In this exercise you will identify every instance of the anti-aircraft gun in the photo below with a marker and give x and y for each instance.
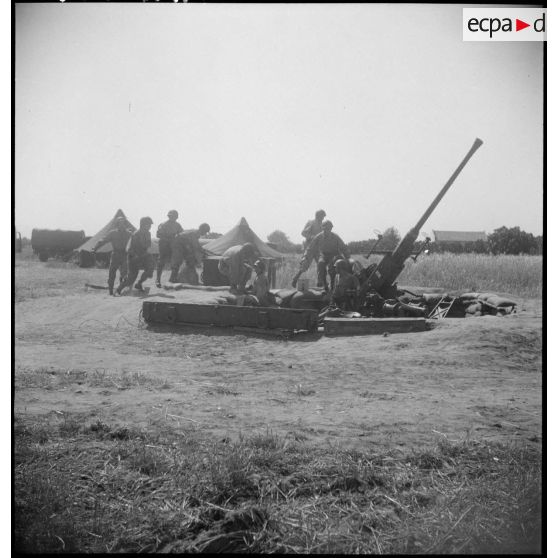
(378, 281)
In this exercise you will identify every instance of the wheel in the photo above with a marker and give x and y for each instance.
(43, 256)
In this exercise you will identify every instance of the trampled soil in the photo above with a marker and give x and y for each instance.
(92, 356)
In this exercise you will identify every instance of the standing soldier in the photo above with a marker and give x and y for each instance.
(326, 247)
(312, 228)
(118, 237)
(236, 264)
(139, 256)
(166, 232)
(186, 247)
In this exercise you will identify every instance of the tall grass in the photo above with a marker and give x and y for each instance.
(514, 275)
(517, 275)
(117, 489)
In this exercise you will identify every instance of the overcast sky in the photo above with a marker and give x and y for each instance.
(271, 112)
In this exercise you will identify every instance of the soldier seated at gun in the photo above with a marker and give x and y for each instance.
(327, 247)
(260, 286)
(345, 286)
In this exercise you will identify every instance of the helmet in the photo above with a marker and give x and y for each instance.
(342, 264)
(173, 213)
(204, 228)
(320, 213)
(327, 225)
(145, 221)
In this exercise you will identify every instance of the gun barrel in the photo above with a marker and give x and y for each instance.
(392, 264)
(477, 143)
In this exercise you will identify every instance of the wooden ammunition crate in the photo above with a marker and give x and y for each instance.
(228, 316)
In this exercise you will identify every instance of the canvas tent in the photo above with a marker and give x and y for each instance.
(240, 234)
(87, 258)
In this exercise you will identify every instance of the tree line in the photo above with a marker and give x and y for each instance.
(503, 240)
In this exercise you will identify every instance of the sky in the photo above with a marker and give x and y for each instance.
(270, 112)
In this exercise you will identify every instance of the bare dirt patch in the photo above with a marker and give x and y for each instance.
(89, 353)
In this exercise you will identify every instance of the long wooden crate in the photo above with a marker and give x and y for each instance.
(228, 316)
(367, 326)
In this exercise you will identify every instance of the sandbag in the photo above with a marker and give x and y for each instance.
(500, 301)
(468, 296)
(311, 299)
(472, 309)
(485, 296)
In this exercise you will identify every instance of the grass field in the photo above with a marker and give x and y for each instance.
(514, 275)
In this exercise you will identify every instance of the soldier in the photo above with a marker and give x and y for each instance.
(312, 228)
(236, 264)
(261, 285)
(326, 247)
(139, 256)
(345, 286)
(118, 237)
(166, 232)
(186, 247)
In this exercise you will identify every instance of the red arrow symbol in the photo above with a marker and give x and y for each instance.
(519, 25)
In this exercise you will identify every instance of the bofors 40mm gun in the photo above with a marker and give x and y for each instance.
(378, 289)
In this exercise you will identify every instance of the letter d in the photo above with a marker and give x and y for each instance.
(536, 24)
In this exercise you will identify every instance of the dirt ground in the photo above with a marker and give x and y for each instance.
(476, 377)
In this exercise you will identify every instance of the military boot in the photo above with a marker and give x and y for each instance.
(138, 286)
(111, 291)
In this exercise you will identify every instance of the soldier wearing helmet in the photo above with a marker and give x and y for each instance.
(236, 264)
(186, 248)
(312, 228)
(139, 256)
(326, 247)
(260, 286)
(119, 238)
(166, 233)
(345, 285)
